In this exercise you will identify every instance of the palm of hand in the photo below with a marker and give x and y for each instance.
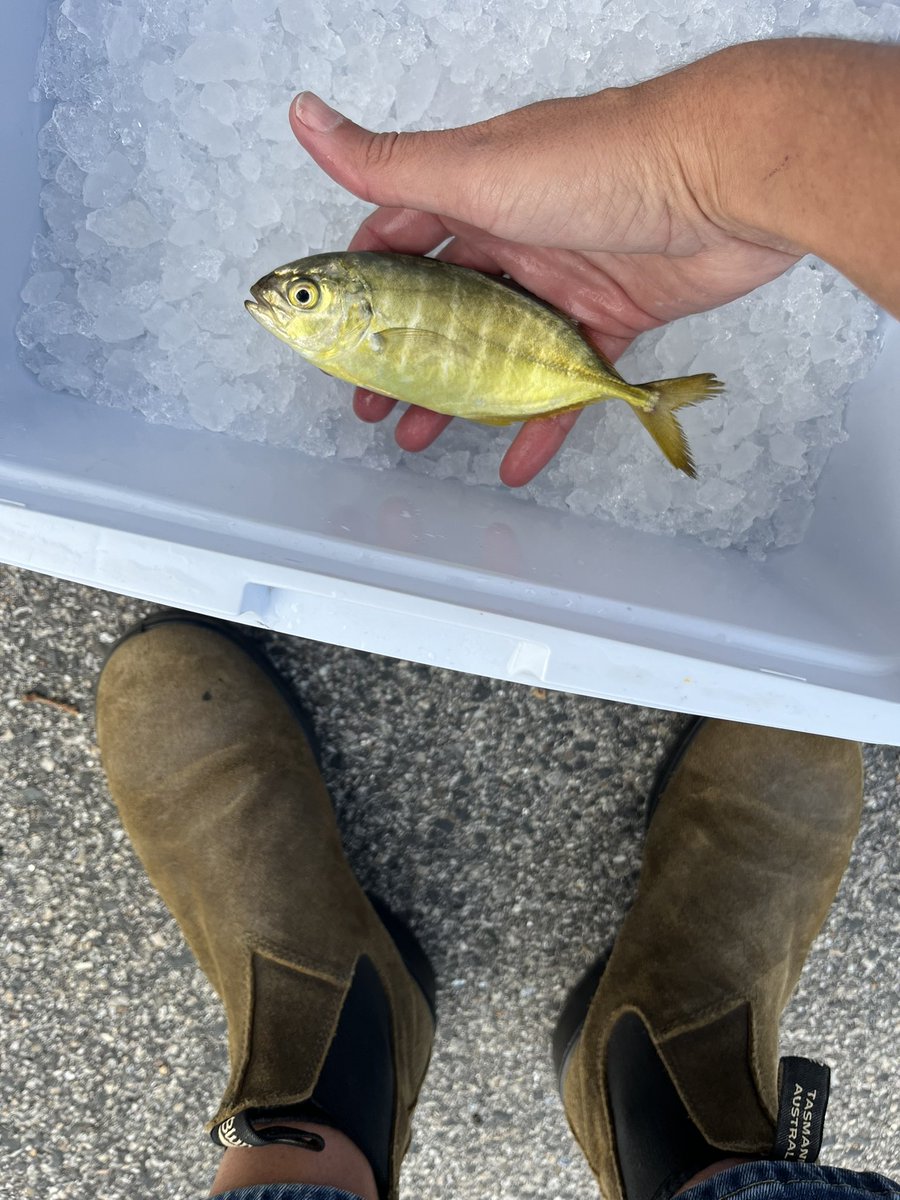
(614, 296)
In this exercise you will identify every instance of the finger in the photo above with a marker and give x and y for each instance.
(533, 447)
(399, 231)
(431, 171)
(371, 406)
(418, 428)
(463, 253)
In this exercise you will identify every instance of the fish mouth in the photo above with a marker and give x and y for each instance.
(262, 313)
(256, 311)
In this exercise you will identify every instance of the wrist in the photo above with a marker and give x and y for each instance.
(754, 107)
(793, 144)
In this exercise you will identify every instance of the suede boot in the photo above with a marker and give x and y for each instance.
(330, 1014)
(668, 1053)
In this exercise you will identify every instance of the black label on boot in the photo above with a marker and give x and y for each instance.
(803, 1098)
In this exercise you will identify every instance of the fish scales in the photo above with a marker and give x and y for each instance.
(456, 341)
(494, 342)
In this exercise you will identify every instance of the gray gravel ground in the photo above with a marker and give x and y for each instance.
(510, 835)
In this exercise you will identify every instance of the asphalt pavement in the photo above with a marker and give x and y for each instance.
(509, 834)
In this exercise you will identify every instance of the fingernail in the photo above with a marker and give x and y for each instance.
(315, 113)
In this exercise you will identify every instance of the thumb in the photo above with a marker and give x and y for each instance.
(437, 172)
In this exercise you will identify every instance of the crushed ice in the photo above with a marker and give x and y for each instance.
(172, 182)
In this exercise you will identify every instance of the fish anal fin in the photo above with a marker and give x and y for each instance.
(497, 420)
(567, 408)
(541, 416)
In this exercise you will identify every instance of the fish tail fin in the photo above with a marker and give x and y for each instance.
(665, 397)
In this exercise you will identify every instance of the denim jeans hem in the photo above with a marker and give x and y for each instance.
(780, 1180)
(285, 1191)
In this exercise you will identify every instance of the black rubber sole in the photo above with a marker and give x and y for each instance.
(574, 1013)
(408, 946)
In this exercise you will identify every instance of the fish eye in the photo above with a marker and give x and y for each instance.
(304, 294)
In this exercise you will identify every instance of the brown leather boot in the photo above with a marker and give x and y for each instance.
(329, 998)
(668, 1053)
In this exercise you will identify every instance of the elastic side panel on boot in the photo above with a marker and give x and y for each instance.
(356, 1087)
(348, 1077)
(293, 1016)
(712, 1067)
(658, 1147)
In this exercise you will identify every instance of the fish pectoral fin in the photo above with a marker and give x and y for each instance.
(418, 341)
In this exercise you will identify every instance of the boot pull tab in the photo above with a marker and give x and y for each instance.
(238, 1131)
(802, 1100)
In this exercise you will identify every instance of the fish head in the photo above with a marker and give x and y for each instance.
(318, 305)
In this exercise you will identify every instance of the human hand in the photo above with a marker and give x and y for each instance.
(589, 203)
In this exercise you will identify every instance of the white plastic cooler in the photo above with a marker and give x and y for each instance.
(429, 570)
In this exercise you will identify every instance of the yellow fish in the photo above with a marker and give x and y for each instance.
(456, 341)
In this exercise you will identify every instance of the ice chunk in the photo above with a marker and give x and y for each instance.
(123, 39)
(187, 230)
(62, 213)
(70, 177)
(86, 15)
(583, 502)
(158, 81)
(262, 208)
(719, 494)
(453, 465)
(787, 449)
(68, 377)
(252, 12)
(118, 370)
(38, 325)
(216, 56)
(250, 166)
(822, 347)
(164, 150)
(212, 402)
(791, 520)
(415, 90)
(95, 296)
(141, 295)
(741, 420)
(118, 324)
(197, 196)
(130, 225)
(42, 287)
(273, 125)
(739, 461)
(677, 347)
(110, 183)
(220, 140)
(355, 437)
(220, 100)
